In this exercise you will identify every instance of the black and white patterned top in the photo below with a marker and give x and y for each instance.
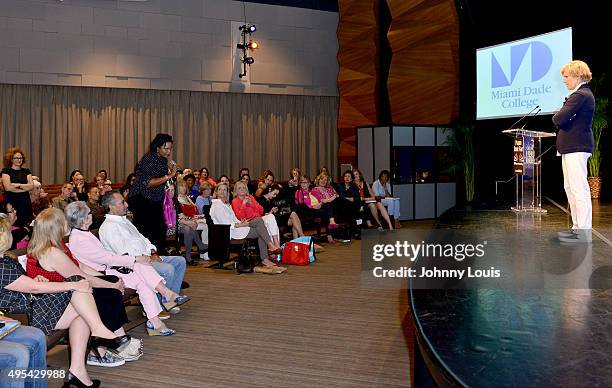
(151, 166)
(44, 310)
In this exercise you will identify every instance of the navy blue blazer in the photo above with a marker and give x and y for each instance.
(574, 121)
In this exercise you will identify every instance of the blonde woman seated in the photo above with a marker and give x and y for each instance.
(368, 198)
(221, 213)
(136, 271)
(57, 306)
(246, 207)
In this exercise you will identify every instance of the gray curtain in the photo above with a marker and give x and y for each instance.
(65, 128)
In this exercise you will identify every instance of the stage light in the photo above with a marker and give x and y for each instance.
(253, 45)
(248, 28)
(248, 60)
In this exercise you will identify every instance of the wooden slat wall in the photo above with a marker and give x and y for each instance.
(358, 71)
(423, 79)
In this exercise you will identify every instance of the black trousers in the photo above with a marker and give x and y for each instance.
(149, 220)
(110, 305)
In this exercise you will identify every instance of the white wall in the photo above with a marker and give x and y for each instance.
(167, 44)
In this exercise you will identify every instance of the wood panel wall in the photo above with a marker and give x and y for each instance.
(358, 52)
(423, 81)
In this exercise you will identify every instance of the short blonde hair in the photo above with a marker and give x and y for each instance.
(320, 176)
(50, 227)
(578, 69)
(5, 234)
(217, 187)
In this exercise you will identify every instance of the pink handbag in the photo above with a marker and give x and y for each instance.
(169, 211)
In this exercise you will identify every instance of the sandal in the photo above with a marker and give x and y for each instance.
(165, 332)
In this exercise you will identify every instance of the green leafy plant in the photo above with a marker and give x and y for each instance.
(600, 123)
(462, 152)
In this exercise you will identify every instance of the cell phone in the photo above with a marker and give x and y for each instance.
(1, 325)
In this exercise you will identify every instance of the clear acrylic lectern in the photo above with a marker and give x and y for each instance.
(528, 169)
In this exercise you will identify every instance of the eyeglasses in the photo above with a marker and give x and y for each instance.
(17, 157)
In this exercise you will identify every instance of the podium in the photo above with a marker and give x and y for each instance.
(528, 169)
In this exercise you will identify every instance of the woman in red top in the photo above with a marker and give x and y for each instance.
(246, 208)
(50, 258)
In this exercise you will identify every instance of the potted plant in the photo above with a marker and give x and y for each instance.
(600, 123)
(461, 147)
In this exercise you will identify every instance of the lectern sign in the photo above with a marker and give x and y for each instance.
(518, 155)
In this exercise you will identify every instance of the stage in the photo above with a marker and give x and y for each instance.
(538, 330)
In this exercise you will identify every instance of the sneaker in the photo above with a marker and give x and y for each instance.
(204, 256)
(175, 310)
(579, 236)
(566, 233)
(109, 360)
(132, 351)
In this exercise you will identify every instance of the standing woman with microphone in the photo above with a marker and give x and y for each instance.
(146, 196)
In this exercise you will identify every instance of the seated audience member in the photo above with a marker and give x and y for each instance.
(289, 218)
(221, 213)
(329, 197)
(97, 211)
(57, 306)
(103, 174)
(119, 235)
(205, 177)
(20, 234)
(188, 224)
(24, 348)
(309, 202)
(204, 200)
(225, 179)
(65, 197)
(382, 190)
(246, 178)
(294, 177)
(368, 198)
(243, 171)
(349, 199)
(130, 180)
(107, 187)
(125, 191)
(196, 174)
(79, 191)
(17, 182)
(325, 170)
(50, 258)
(192, 188)
(39, 198)
(246, 208)
(135, 271)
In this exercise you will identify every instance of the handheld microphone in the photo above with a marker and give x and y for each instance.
(530, 117)
(522, 118)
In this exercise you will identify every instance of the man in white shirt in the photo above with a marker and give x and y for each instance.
(119, 235)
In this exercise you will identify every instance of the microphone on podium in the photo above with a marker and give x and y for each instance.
(531, 117)
(523, 118)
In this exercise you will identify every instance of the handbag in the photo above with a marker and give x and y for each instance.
(169, 211)
(305, 241)
(295, 254)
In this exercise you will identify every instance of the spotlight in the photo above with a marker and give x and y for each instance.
(248, 60)
(253, 45)
(248, 28)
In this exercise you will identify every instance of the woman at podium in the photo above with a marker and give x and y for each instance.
(575, 145)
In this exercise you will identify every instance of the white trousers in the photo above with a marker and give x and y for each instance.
(393, 206)
(270, 222)
(577, 188)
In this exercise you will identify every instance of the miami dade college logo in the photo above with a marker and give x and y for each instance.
(541, 59)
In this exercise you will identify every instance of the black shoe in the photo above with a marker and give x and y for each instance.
(184, 285)
(357, 237)
(74, 381)
(112, 343)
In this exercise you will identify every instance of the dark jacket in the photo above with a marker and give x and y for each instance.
(574, 122)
